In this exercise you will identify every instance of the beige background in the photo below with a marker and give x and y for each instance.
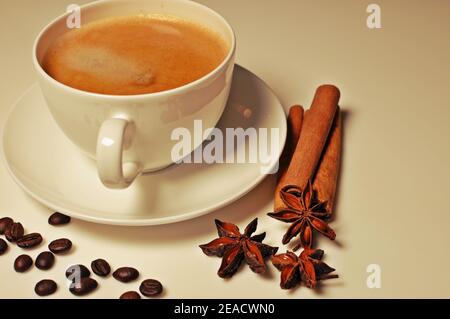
(393, 207)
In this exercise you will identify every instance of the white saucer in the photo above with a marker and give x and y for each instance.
(52, 170)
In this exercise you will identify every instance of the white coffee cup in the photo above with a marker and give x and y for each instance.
(128, 135)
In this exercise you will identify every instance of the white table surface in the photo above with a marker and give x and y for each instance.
(393, 208)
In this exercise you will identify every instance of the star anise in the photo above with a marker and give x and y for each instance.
(235, 247)
(305, 212)
(307, 268)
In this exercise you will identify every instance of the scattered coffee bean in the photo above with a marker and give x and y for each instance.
(5, 222)
(14, 232)
(29, 241)
(83, 286)
(23, 263)
(101, 267)
(3, 246)
(45, 287)
(60, 246)
(77, 271)
(58, 219)
(151, 288)
(130, 295)
(45, 260)
(126, 274)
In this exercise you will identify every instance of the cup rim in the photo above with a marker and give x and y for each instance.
(180, 89)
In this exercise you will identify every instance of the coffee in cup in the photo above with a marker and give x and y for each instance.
(134, 55)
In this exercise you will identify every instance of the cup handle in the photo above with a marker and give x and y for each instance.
(113, 139)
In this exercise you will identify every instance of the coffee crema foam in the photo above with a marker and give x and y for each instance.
(134, 55)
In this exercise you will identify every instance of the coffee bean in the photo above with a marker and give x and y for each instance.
(29, 241)
(60, 246)
(5, 222)
(101, 267)
(14, 232)
(77, 271)
(23, 263)
(3, 246)
(130, 295)
(58, 219)
(126, 274)
(45, 260)
(45, 287)
(151, 288)
(83, 286)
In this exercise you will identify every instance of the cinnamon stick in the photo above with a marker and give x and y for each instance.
(294, 126)
(326, 178)
(314, 134)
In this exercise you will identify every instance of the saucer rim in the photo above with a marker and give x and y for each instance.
(136, 222)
